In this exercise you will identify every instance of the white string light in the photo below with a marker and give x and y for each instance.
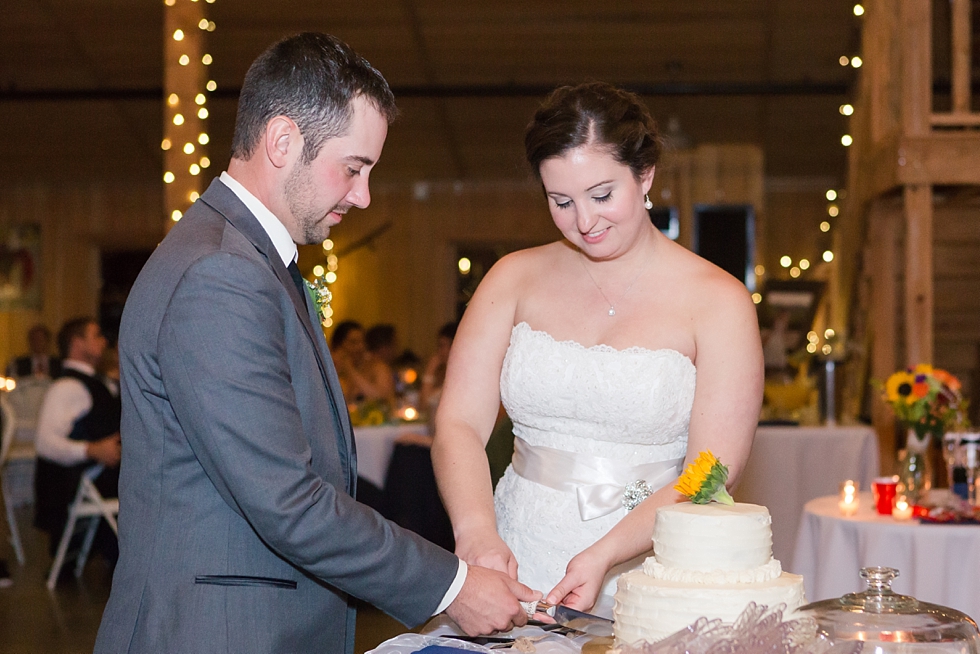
(185, 77)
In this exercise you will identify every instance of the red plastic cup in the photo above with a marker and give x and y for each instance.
(883, 489)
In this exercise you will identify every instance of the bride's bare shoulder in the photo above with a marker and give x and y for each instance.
(706, 285)
(526, 265)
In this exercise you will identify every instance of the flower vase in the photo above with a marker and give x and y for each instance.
(915, 468)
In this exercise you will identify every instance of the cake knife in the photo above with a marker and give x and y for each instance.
(570, 617)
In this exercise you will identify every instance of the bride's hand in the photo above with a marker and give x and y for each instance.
(489, 551)
(582, 582)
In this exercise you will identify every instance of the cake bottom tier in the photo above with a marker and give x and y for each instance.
(651, 609)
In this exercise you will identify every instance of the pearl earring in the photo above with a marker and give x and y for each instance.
(647, 202)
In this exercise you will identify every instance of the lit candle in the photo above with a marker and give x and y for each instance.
(902, 509)
(848, 498)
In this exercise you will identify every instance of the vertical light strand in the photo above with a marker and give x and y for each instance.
(185, 105)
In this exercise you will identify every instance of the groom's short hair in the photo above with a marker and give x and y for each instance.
(311, 78)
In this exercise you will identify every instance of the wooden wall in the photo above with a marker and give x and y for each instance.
(406, 276)
(956, 310)
(78, 222)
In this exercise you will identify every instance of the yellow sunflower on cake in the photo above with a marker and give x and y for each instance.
(704, 480)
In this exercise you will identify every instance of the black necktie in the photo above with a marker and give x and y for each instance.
(298, 280)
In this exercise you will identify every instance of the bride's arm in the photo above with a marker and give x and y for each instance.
(465, 418)
(724, 416)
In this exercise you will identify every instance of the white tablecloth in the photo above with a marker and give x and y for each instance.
(375, 446)
(938, 563)
(790, 466)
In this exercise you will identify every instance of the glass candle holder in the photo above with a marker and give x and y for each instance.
(902, 509)
(848, 498)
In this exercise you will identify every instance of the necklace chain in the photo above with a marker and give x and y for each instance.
(612, 307)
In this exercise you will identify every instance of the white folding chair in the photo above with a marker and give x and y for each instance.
(6, 443)
(25, 401)
(88, 503)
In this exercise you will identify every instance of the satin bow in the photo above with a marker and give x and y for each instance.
(598, 482)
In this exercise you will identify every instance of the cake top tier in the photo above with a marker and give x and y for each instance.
(712, 536)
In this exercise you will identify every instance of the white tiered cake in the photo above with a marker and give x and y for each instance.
(709, 560)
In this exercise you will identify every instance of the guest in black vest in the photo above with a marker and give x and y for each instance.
(78, 427)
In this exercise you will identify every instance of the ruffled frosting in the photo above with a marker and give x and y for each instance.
(762, 573)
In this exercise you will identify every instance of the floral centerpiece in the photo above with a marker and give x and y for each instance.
(926, 400)
(704, 480)
(369, 413)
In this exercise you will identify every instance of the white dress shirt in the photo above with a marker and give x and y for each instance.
(65, 402)
(286, 248)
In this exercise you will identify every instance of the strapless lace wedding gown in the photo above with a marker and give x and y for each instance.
(631, 406)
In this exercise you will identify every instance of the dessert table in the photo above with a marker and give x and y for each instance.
(790, 466)
(937, 563)
(375, 445)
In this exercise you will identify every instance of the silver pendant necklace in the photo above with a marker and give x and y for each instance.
(612, 307)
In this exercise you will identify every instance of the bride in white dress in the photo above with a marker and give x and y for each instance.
(618, 355)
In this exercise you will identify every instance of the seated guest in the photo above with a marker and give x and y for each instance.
(78, 426)
(411, 498)
(382, 345)
(39, 363)
(435, 369)
(354, 363)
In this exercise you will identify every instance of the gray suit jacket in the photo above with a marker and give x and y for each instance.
(237, 527)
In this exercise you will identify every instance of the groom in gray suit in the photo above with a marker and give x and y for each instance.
(238, 527)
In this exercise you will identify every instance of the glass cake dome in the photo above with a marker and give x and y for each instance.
(889, 623)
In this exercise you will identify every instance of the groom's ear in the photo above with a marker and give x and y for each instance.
(282, 141)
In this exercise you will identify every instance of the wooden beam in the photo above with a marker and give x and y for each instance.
(876, 173)
(940, 158)
(960, 40)
(916, 45)
(955, 119)
(918, 274)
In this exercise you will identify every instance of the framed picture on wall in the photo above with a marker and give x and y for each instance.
(20, 267)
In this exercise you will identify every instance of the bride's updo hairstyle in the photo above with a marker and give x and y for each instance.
(594, 113)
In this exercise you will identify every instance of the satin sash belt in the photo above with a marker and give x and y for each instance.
(598, 483)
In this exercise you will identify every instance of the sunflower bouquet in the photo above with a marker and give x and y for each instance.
(926, 400)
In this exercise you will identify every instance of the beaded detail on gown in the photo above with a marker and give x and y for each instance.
(632, 405)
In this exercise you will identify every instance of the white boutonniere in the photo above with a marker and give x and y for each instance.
(321, 296)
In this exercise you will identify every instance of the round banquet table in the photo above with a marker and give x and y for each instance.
(789, 466)
(937, 563)
(375, 445)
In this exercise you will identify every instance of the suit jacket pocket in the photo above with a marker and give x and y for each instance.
(244, 580)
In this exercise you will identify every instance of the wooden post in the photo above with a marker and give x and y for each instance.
(185, 108)
(960, 39)
(882, 267)
(918, 274)
(882, 72)
(916, 45)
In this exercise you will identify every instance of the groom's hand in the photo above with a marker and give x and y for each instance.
(490, 601)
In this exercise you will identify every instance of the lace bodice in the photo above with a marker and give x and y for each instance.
(632, 405)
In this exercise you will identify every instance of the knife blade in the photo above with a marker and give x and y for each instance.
(563, 614)
(569, 617)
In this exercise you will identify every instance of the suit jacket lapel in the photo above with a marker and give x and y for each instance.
(220, 198)
(333, 383)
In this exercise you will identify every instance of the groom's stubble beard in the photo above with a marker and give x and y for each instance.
(300, 193)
